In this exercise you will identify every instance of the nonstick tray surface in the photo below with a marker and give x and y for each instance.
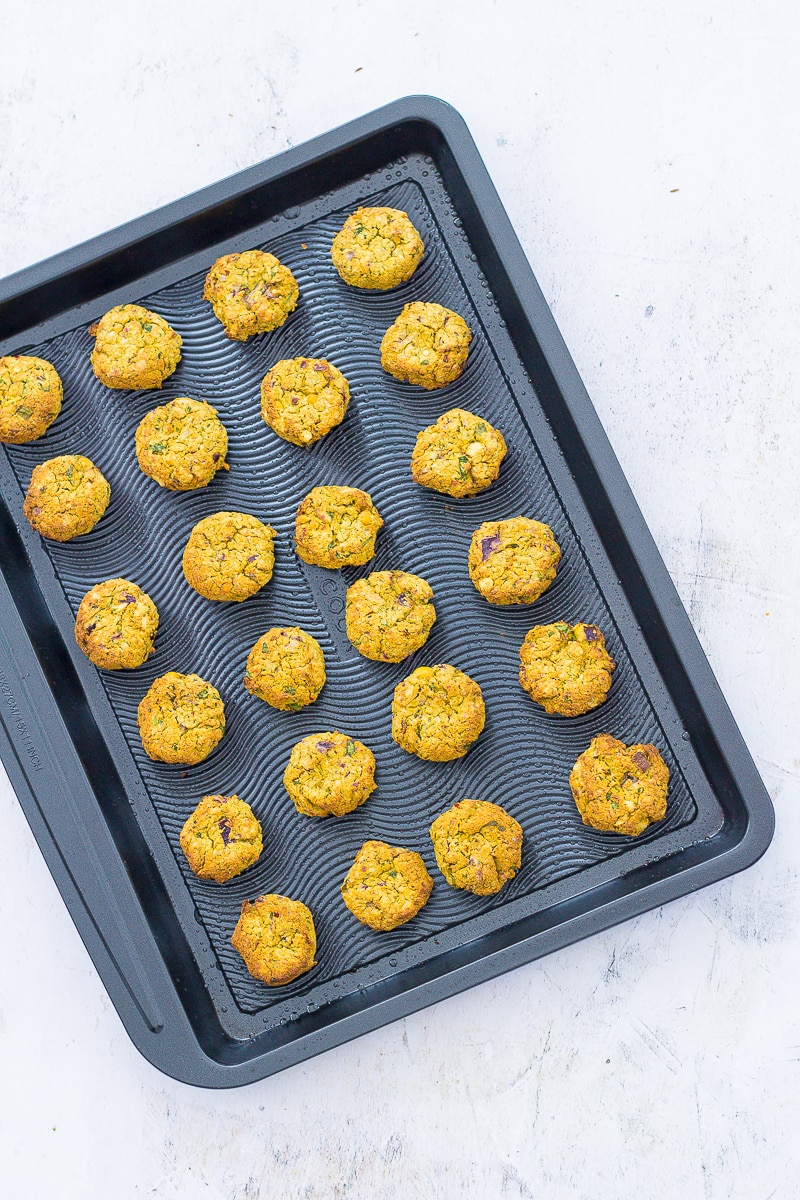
(110, 825)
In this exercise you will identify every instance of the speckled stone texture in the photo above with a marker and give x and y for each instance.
(645, 156)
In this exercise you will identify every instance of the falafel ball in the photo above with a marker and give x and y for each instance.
(377, 248)
(286, 668)
(427, 345)
(389, 615)
(116, 625)
(513, 561)
(460, 455)
(566, 668)
(221, 838)
(437, 713)
(619, 788)
(276, 938)
(229, 556)
(182, 444)
(329, 775)
(337, 527)
(181, 719)
(251, 292)
(302, 399)
(478, 846)
(386, 885)
(134, 348)
(66, 497)
(30, 398)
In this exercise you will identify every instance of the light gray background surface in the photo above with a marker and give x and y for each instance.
(647, 153)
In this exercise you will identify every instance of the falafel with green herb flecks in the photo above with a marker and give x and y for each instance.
(134, 348)
(30, 398)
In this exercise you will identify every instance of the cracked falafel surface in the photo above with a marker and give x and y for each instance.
(250, 292)
(181, 719)
(182, 444)
(286, 668)
(116, 625)
(619, 788)
(229, 556)
(566, 668)
(389, 615)
(386, 885)
(513, 561)
(437, 713)
(459, 455)
(276, 938)
(337, 527)
(30, 398)
(478, 846)
(302, 399)
(221, 838)
(134, 348)
(329, 774)
(66, 497)
(427, 345)
(377, 248)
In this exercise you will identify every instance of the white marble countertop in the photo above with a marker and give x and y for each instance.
(647, 155)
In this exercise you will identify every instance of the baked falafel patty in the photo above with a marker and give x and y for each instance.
(221, 838)
(377, 248)
(427, 345)
(329, 775)
(619, 788)
(437, 713)
(30, 398)
(229, 556)
(116, 625)
(250, 292)
(66, 497)
(478, 846)
(276, 938)
(513, 561)
(182, 444)
(386, 885)
(134, 348)
(565, 668)
(337, 527)
(302, 399)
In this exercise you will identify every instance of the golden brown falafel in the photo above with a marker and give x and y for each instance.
(619, 788)
(286, 668)
(566, 668)
(181, 719)
(229, 556)
(66, 497)
(386, 885)
(460, 455)
(134, 348)
(377, 248)
(116, 625)
(182, 444)
(221, 838)
(478, 846)
(337, 527)
(302, 399)
(514, 561)
(329, 774)
(276, 938)
(389, 615)
(251, 292)
(427, 345)
(30, 398)
(437, 713)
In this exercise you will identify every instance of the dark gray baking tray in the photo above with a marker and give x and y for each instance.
(107, 818)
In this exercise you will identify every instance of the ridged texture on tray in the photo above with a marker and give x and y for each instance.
(521, 761)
